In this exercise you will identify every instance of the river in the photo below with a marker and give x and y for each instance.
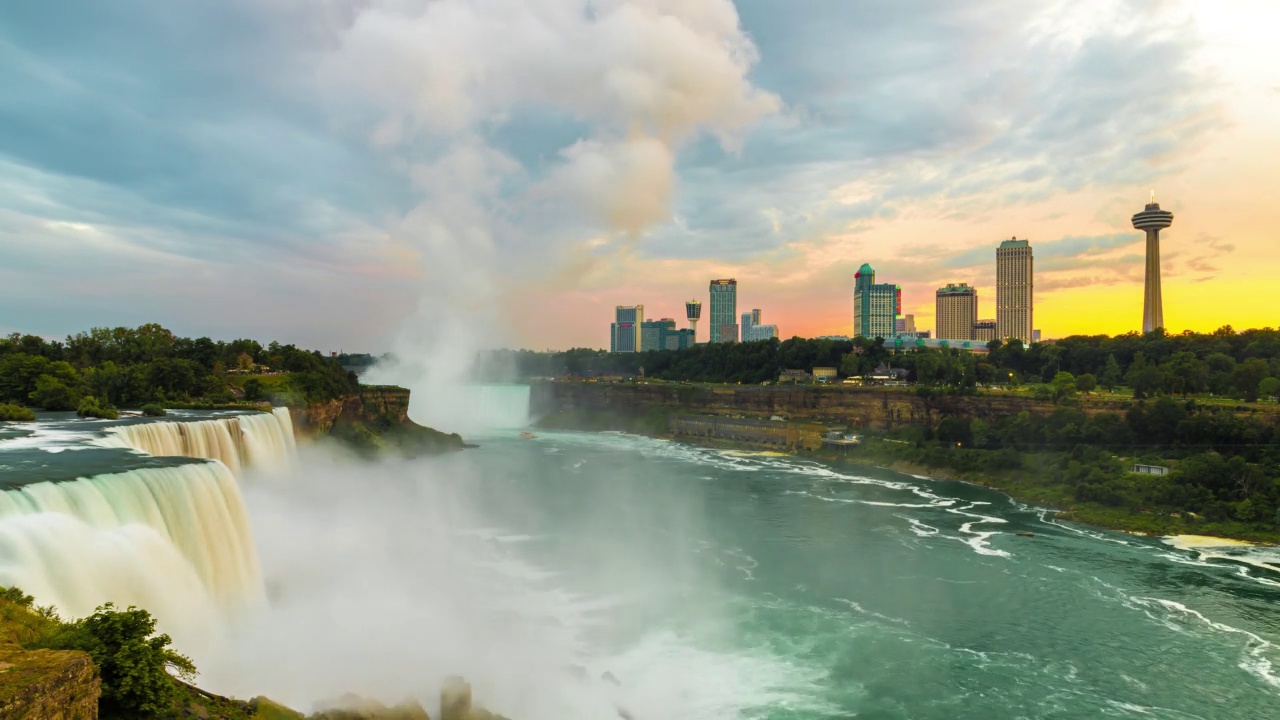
(571, 575)
(856, 592)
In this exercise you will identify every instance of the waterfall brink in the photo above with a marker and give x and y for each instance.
(175, 540)
(242, 441)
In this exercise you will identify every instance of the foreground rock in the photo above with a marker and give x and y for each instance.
(47, 685)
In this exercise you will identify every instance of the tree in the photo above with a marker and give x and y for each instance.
(1111, 376)
(1143, 377)
(1248, 375)
(1064, 385)
(1086, 383)
(253, 389)
(53, 394)
(1269, 388)
(133, 662)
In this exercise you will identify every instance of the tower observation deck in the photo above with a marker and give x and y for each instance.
(1152, 220)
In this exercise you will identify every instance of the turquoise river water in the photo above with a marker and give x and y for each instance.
(865, 593)
(580, 575)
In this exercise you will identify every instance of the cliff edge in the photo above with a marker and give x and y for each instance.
(373, 421)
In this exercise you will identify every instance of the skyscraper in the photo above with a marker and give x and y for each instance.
(653, 334)
(957, 311)
(693, 311)
(1152, 220)
(905, 324)
(624, 332)
(752, 330)
(1014, 290)
(724, 309)
(875, 306)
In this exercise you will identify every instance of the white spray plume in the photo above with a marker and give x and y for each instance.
(386, 578)
(643, 77)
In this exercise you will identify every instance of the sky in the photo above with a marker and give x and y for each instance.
(365, 175)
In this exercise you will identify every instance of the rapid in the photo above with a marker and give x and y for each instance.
(573, 574)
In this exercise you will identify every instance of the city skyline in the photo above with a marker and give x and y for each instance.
(242, 162)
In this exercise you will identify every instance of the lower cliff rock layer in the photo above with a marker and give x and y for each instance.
(47, 685)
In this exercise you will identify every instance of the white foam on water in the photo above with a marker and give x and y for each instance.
(1254, 655)
(1046, 519)
(857, 607)
(920, 528)
(978, 538)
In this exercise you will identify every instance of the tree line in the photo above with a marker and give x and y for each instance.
(104, 368)
(1224, 362)
(1225, 464)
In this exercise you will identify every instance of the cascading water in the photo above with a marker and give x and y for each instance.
(261, 440)
(164, 538)
(471, 409)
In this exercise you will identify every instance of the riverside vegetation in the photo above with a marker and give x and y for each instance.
(149, 368)
(1200, 404)
(113, 665)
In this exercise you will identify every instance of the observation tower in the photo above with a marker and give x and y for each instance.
(1152, 220)
(693, 311)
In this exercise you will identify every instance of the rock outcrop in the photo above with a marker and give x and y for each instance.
(371, 421)
(47, 685)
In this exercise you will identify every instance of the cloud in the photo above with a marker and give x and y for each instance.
(370, 144)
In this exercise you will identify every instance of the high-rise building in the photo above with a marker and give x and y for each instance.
(753, 331)
(957, 307)
(875, 306)
(724, 309)
(653, 334)
(693, 311)
(679, 339)
(1014, 290)
(1152, 220)
(905, 325)
(624, 332)
(984, 331)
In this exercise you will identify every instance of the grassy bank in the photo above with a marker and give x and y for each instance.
(1044, 479)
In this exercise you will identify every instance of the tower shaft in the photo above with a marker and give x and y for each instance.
(1151, 221)
(1153, 304)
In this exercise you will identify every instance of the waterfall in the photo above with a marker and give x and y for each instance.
(259, 440)
(471, 409)
(175, 540)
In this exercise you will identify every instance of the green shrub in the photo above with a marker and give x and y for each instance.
(15, 413)
(15, 595)
(133, 662)
(253, 389)
(90, 408)
(154, 410)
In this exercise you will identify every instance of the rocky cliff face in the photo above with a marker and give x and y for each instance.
(374, 404)
(372, 421)
(876, 408)
(47, 685)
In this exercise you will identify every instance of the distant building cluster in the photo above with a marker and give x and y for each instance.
(630, 332)
(877, 307)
